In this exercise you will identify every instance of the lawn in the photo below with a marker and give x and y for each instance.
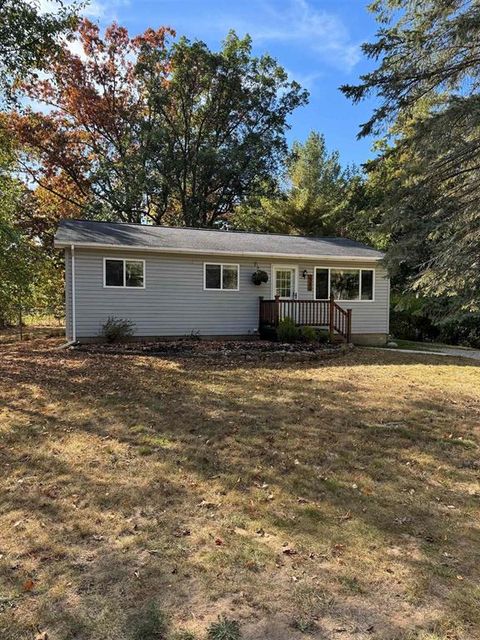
(339, 500)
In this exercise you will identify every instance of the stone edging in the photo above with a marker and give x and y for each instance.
(281, 355)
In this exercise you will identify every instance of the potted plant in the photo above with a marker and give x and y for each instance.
(259, 277)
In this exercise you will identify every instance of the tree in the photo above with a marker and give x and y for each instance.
(91, 146)
(225, 118)
(317, 197)
(143, 129)
(29, 39)
(426, 81)
(27, 271)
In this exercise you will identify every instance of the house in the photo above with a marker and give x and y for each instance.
(178, 281)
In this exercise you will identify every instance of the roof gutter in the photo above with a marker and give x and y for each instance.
(212, 252)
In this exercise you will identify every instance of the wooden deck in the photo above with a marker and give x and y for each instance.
(307, 313)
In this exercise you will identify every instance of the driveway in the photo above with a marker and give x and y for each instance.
(456, 352)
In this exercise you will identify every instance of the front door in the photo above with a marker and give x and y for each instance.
(284, 282)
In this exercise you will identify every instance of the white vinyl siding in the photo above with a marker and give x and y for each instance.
(175, 302)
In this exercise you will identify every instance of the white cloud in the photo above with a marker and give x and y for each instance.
(93, 9)
(306, 80)
(294, 23)
(316, 30)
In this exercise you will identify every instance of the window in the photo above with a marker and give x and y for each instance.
(284, 282)
(119, 272)
(366, 292)
(321, 284)
(344, 284)
(221, 276)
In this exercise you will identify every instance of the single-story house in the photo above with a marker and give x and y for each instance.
(172, 281)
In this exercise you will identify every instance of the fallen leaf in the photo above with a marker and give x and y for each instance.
(289, 551)
(28, 585)
(338, 549)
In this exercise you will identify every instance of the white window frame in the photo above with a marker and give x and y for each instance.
(329, 269)
(295, 279)
(124, 285)
(221, 265)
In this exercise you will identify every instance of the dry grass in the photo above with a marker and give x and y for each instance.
(331, 501)
(49, 328)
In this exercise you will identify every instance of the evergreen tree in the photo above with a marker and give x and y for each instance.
(316, 196)
(427, 80)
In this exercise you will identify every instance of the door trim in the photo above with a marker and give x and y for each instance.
(294, 268)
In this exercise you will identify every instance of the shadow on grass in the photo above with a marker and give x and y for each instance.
(365, 464)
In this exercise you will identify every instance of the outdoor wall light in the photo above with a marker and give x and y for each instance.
(304, 274)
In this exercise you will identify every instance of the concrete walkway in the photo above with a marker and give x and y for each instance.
(473, 354)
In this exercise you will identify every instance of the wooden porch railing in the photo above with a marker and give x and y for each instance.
(313, 313)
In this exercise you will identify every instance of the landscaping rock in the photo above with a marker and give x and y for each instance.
(248, 350)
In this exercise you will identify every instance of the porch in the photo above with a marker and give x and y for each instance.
(311, 313)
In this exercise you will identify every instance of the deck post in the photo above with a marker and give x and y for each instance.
(276, 313)
(260, 313)
(331, 310)
(349, 326)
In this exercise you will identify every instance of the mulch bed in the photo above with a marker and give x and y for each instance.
(242, 349)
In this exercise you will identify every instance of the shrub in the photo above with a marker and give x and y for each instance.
(117, 329)
(150, 624)
(464, 330)
(224, 629)
(287, 331)
(308, 334)
(323, 336)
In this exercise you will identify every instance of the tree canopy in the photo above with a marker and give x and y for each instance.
(315, 196)
(152, 129)
(29, 42)
(29, 39)
(426, 82)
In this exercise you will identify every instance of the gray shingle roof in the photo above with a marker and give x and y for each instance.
(85, 232)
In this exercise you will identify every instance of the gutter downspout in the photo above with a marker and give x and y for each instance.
(74, 328)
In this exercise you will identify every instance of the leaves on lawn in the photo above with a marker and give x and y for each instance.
(28, 585)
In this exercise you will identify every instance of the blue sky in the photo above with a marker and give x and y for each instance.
(317, 41)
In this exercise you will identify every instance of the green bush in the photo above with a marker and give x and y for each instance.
(308, 334)
(323, 336)
(464, 331)
(224, 629)
(117, 329)
(287, 331)
(416, 318)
